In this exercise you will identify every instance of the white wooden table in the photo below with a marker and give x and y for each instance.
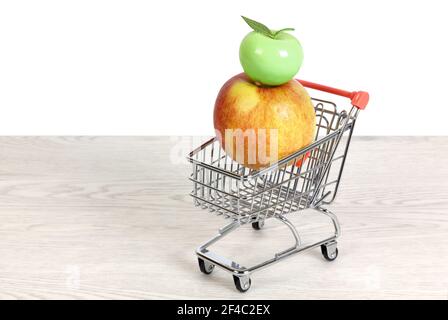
(110, 217)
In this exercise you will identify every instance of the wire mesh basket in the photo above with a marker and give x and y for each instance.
(308, 178)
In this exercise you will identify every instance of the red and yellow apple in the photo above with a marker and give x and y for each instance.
(257, 126)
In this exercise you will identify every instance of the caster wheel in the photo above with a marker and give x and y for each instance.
(242, 283)
(329, 251)
(205, 266)
(258, 225)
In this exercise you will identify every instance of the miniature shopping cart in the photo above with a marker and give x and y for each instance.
(244, 195)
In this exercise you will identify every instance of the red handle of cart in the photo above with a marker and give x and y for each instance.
(359, 99)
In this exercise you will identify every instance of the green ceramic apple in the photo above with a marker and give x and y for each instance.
(270, 57)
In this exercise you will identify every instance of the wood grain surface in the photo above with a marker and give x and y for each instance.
(110, 218)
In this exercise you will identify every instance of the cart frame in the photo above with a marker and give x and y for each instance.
(248, 196)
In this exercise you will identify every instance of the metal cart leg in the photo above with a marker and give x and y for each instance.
(334, 219)
(329, 249)
(241, 275)
(207, 260)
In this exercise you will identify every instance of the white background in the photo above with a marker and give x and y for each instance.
(155, 67)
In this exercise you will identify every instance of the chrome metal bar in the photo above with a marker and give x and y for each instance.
(344, 157)
(334, 219)
(338, 139)
(292, 228)
(239, 270)
(221, 233)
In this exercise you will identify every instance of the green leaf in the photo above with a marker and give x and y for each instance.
(282, 30)
(259, 27)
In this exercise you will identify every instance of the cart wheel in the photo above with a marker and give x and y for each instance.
(329, 251)
(205, 266)
(242, 283)
(258, 225)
